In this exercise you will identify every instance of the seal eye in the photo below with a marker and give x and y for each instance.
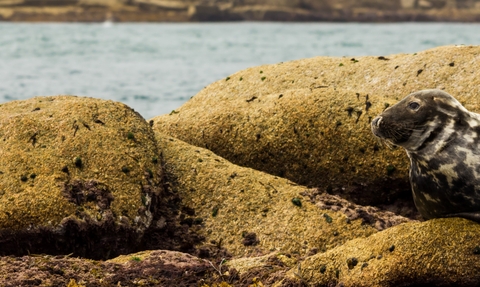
(414, 106)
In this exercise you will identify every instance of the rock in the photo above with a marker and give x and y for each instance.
(406, 4)
(101, 5)
(439, 252)
(309, 120)
(204, 13)
(43, 3)
(91, 177)
(149, 268)
(78, 175)
(248, 212)
(162, 4)
(376, 217)
(424, 4)
(230, 10)
(272, 13)
(7, 3)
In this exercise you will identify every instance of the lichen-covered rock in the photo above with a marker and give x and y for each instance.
(439, 252)
(309, 120)
(77, 175)
(249, 212)
(149, 268)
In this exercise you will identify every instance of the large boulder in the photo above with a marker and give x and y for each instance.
(249, 212)
(78, 175)
(149, 268)
(439, 252)
(309, 120)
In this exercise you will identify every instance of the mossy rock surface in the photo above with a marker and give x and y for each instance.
(249, 212)
(438, 252)
(75, 173)
(148, 268)
(309, 120)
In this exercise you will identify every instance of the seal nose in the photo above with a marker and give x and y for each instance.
(376, 121)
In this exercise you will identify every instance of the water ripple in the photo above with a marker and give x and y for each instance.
(155, 68)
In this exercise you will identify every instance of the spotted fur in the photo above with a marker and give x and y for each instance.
(442, 140)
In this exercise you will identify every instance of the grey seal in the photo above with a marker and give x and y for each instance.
(442, 140)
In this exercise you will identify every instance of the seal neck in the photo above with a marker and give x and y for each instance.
(440, 135)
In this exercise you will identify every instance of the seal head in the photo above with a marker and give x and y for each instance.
(442, 140)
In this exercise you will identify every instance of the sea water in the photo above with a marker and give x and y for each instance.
(155, 68)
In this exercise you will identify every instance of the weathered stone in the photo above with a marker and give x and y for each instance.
(438, 252)
(65, 162)
(271, 13)
(149, 268)
(407, 3)
(204, 13)
(7, 3)
(77, 175)
(230, 10)
(249, 212)
(309, 120)
(162, 4)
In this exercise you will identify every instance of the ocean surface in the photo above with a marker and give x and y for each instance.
(155, 68)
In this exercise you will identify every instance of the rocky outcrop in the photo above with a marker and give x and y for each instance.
(439, 252)
(151, 268)
(309, 120)
(249, 212)
(92, 177)
(79, 175)
(235, 10)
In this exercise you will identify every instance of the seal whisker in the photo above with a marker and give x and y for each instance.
(387, 143)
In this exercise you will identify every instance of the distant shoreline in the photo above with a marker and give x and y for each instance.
(149, 13)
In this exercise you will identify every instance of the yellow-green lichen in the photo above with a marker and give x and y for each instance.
(438, 251)
(50, 143)
(232, 201)
(313, 133)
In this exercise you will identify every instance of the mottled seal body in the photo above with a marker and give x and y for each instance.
(442, 140)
